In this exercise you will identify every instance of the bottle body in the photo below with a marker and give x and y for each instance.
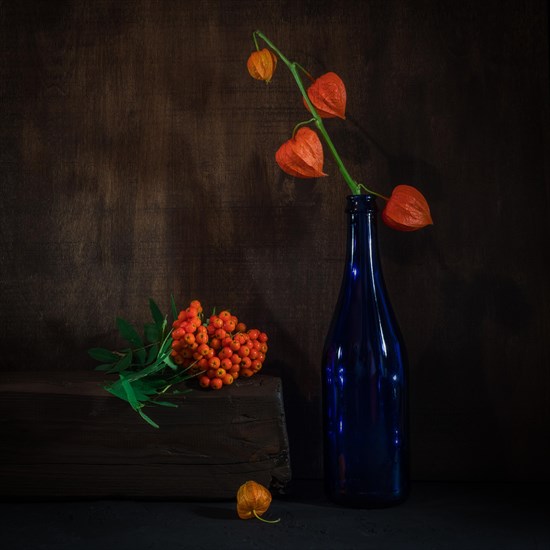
(364, 375)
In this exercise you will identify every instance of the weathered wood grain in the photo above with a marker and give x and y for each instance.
(63, 435)
(137, 160)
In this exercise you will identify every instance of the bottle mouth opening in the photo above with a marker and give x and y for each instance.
(361, 204)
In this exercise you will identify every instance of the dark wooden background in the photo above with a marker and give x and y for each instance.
(137, 159)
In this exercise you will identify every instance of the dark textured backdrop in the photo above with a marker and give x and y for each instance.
(137, 159)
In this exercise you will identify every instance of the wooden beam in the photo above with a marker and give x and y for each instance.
(62, 435)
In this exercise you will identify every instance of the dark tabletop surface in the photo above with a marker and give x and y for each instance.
(437, 515)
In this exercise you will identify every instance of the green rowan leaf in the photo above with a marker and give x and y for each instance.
(173, 306)
(129, 333)
(148, 419)
(147, 371)
(152, 333)
(117, 390)
(104, 367)
(165, 404)
(134, 402)
(123, 363)
(165, 346)
(168, 360)
(102, 354)
(153, 352)
(158, 317)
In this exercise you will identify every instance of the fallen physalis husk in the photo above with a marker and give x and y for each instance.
(253, 500)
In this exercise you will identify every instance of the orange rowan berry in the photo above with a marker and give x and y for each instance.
(196, 322)
(202, 364)
(216, 322)
(178, 333)
(234, 374)
(236, 359)
(262, 337)
(189, 339)
(240, 327)
(216, 383)
(253, 354)
(203, 349)
(188, 327)
(211, 373)
(247, 373)
(220, 373)
(256, 365)
(253, 333)
(215, 343)
(225, 352)
(204, 382)
(224, 315)
(245, 363)
(197, 305)
(227, 380)
(220, 333)
(263, 348)
(226, 363)
(229, 325)
(177, 345)
(214, 363)
(244, 351)
(201, 337)
(191, 312)
(234, 345)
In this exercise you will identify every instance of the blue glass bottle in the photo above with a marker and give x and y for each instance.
(366, 455)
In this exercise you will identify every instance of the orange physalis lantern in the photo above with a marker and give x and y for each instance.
(328, 95)
(302, 155)
(261, 64)
(406, 210)
(253, 500)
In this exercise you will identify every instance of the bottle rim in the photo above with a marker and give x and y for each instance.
(361, 204)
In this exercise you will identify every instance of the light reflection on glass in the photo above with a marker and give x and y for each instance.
(341, 376)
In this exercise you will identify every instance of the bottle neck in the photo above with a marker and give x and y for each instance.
(362, 241)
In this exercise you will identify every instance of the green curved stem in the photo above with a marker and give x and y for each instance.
(256, 42)
(293, 68)
(265, 520)
(304, 71)
(300, 124)
(374, 192)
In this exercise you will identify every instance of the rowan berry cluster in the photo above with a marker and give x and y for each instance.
(217, 350)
